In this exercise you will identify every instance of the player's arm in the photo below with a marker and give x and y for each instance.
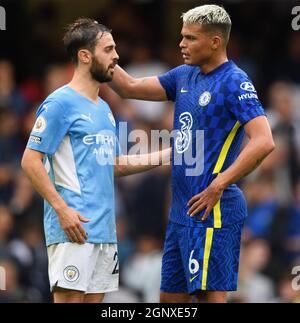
(33, 167)
(133, 164)
(148, 88)
(259, 146)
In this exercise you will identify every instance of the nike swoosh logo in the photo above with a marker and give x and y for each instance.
(183, 90)
(191, 279)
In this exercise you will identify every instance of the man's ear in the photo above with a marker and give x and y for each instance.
(84, 56)
(216, 42)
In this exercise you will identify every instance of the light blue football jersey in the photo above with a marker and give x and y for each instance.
(78, 138)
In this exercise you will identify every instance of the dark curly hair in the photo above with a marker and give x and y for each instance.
(81, 34)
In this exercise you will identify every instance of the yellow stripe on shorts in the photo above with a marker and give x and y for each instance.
(208, 243)
(217, 215)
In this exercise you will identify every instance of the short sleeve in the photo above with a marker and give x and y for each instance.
(168, 82)
(241, 98)
(50, 127)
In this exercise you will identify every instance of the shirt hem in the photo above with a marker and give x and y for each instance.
(48, 244)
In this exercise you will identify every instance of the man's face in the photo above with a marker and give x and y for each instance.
(196, 45)
(104, 59)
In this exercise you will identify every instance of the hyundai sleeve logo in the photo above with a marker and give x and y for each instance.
(247, 86)
(2, 18)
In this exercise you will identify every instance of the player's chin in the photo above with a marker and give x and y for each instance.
(110, 76)
(187, 61)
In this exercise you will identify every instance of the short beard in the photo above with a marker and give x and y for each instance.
(98, 73)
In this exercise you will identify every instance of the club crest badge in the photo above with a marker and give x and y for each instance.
(204, 99)
(71, 274)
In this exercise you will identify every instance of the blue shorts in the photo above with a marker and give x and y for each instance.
(198, 258)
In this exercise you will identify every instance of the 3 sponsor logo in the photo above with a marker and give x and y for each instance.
(184, 135)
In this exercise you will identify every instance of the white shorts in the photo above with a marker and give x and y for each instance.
(91, 268)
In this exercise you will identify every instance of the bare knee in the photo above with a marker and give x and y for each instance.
(212, 297)
(175, 298)
(61, 295)
(93, 298)
(216, 297)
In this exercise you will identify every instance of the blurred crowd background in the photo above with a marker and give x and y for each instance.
(147, 32)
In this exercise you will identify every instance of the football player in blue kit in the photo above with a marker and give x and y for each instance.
(70, 160)
(215, 98)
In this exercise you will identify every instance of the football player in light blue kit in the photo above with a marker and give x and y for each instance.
(70, 160)
(215, 98)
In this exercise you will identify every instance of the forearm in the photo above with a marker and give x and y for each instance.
(260, 145)
(133, 164)
(147, 88)
(121, 82)
(248, 160)
(36, 172)
(70, 219)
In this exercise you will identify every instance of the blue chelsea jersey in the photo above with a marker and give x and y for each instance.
(210, 111)
(78, 138)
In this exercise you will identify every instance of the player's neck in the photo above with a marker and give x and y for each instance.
(213, 63)
(85, 85)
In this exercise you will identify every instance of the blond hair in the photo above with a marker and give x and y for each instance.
(210, 16)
